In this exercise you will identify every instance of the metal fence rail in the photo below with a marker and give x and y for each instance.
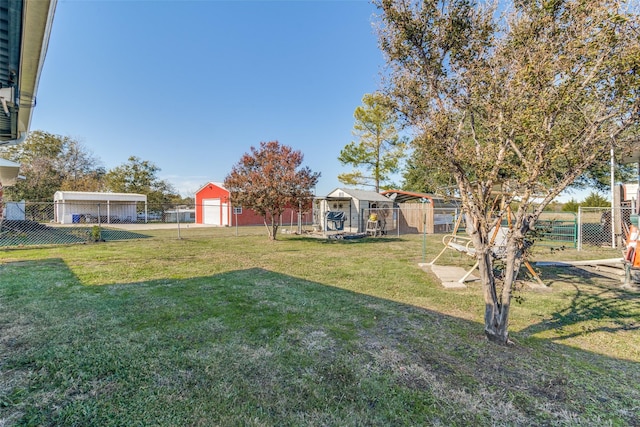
(556, 228)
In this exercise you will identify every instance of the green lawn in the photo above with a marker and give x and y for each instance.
(218, 329)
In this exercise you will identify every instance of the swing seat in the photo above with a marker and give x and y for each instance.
(498, 249)
(459, 244)
(465, 245)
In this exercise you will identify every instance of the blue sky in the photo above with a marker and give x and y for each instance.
(192, 85)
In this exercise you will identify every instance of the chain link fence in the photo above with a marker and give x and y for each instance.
(553, 228)
(32, 223)
(54, 223)
(603, 226)
(588, 227)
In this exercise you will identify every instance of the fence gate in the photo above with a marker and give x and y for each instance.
(556, 228)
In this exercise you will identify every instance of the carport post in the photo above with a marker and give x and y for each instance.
(178, 221)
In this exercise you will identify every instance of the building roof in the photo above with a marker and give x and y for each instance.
(347, 193)
(401, 196)
(217, 184)
(98, 197)
(8, 172)
(24, 38)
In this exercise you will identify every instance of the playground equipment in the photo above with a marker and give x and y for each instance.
(631, 257)
(498, 243)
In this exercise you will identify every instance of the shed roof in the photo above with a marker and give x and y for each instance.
(346, 193)
(97, 196)
(217, 184)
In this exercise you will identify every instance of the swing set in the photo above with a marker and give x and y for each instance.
(497, 242)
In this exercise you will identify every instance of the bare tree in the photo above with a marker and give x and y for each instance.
(527, 101)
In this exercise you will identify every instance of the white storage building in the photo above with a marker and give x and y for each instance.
(72, 207)
(354, 203)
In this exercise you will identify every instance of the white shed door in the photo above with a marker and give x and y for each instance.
(225, 214)
(211, 211)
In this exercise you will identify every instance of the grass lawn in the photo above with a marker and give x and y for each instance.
(218, 329)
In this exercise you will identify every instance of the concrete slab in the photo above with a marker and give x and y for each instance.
(531, 284)
(593, 262)
(449, 276)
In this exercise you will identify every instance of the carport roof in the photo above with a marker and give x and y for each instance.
(69, 196)
(401, 196)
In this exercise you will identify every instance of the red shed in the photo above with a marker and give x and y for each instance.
(213, 207)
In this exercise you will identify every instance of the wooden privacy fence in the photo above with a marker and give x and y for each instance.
(415, 218)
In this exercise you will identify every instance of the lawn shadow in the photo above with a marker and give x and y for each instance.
(28, 234)
(285, 347)
(595, 296)
(113, 234)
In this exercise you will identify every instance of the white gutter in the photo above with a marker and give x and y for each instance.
(37, 21)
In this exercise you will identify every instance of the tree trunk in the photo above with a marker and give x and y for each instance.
(498, 299)
(496, 313)
(272, 229)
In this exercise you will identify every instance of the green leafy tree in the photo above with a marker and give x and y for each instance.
(50, 163)
(596, 200)
(268, 180)
(599, 176)
(140, 176)
(378, 150)
(528, 106)
(571, 206)
(593, 200)
(424, 174)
